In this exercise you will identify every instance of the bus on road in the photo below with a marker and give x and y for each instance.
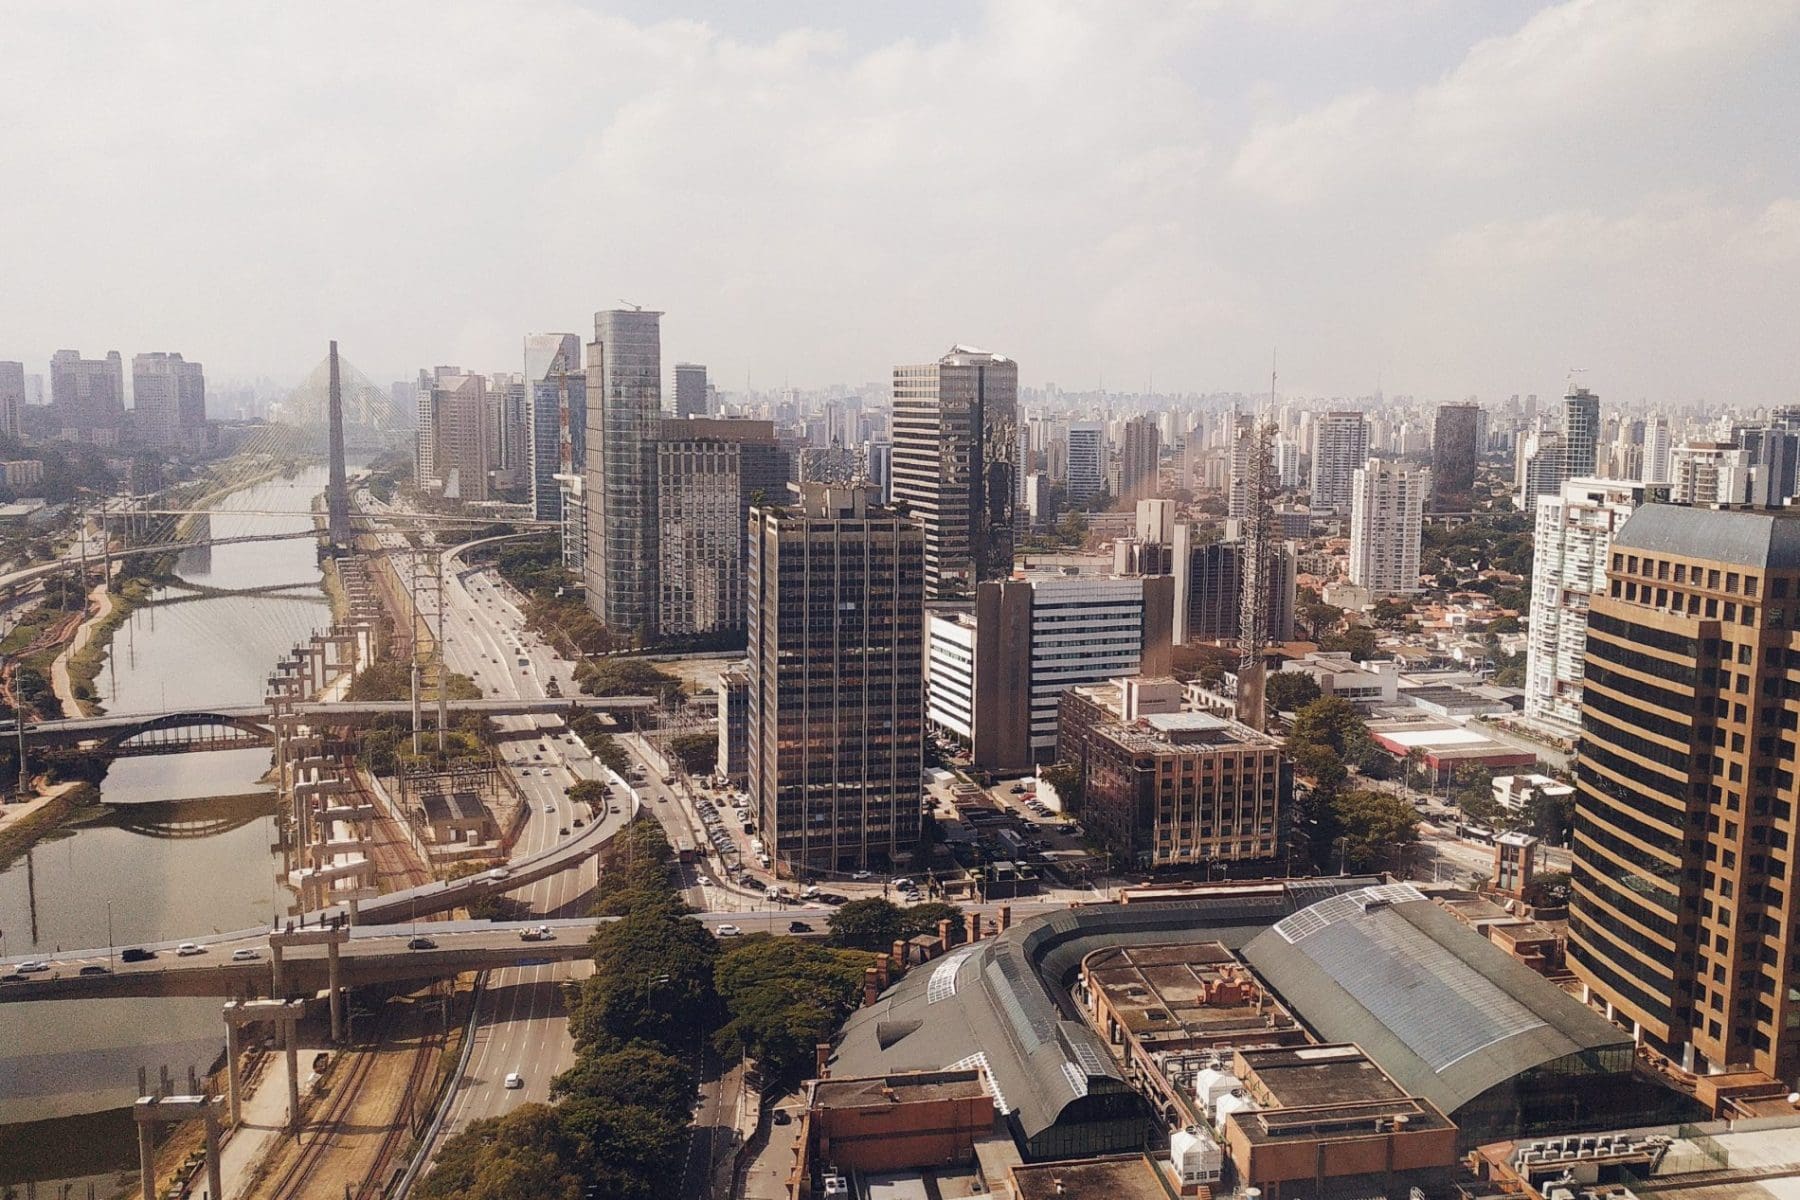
(684, 850)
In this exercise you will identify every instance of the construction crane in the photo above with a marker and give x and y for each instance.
(1255, 537)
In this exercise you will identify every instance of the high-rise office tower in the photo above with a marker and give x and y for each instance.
(557, 415)
(12, 399)
(1140, 450)
(87, 395)
(1657, 447)
(956, 446)
(691, 393)
(1243, 449)
(454, 441)
(1574, 532)
(1083, 461)
(836, 680)
(1581, 433)
(1340, 448)
(1287, 463)
(168, 398)
(1686, 895)
(709, 470)
(1387, 517)
(624, 398)
(1773, 449)
(1455, 449)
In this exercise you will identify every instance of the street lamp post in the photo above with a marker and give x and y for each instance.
(1342, 844)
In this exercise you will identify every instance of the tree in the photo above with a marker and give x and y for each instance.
(1065, 779)
(782, 996)
(608, 753)
(1321, 618)
(1358, 641)
(698, 753)
(1332, 722)
(620, 676)
(1551, 818)
(636, 1074)
(523, 1154)
(871, 924)
(1377, 827)
(589, 791)
(1288, 691)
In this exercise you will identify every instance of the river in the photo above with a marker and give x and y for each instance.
(156, 870)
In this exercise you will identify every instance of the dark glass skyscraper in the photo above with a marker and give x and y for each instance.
(624, 398)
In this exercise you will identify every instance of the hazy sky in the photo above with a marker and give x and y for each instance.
(1451, 197)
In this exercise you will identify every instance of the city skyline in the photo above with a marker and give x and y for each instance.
(1280, 193)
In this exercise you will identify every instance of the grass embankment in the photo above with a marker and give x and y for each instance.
(85, 664)
(21, 835)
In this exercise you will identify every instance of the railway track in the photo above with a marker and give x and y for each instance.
(296, 1179)
(397, 1137)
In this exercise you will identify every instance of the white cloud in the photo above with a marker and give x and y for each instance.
(1118, 189)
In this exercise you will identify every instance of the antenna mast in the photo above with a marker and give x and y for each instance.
(1254, 543)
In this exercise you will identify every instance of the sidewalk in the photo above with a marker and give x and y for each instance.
(59, 668)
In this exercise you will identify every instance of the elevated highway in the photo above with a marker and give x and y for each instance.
(373, 955)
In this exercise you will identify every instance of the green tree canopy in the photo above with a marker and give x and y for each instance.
(1379, 828)
(1288, 691)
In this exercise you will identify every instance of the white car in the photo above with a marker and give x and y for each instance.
(514, 1081)
(549, 808)
(545, 772)
(728, 931)
(244, 955)
(187, 948)
(33, 967)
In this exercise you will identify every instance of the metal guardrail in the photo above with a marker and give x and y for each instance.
(416, 1167)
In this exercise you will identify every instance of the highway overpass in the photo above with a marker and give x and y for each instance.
(373, 955)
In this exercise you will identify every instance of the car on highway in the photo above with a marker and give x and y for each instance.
(95, 969)
(728, 931)
(189, 948)
(563, 832)
(799, 927)
(246, 954)
(32, 967)
(579, 822)
(549, 808)
(499, 873)
(545, 772)
(136, 954)
(537, 933)
(859, 876)
(15, 977)
(514, 1081)
(420, 943)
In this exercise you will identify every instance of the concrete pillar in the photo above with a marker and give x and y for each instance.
(972, 921)
(290, 1034)
(147, 1159)
(897, 954)
(234, 1083)
(1005, 917)
(944, 936)
(215, 1179)
(275, 980)
(337, 993)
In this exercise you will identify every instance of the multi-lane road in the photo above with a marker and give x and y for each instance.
(523, 1024)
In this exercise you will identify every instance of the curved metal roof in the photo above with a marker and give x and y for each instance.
(1443, 1010)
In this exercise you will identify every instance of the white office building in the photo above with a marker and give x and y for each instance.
(1340, 447)
(1087, 461)
(1387, 518)
(1574, 533)
(1710, 473)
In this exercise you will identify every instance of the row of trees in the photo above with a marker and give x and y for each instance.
(664, 990)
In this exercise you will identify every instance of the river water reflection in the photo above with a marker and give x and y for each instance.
(159, 869)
